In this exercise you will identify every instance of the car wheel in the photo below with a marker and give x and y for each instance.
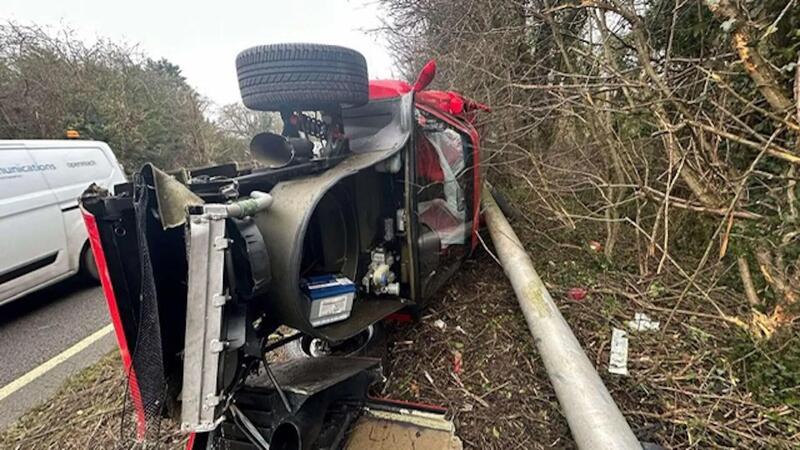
(88, 269)
(302, 77)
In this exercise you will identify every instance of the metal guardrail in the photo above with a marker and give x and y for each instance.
(594, 419)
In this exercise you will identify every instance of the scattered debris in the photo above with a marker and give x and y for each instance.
(596, 246)
(457, 362)
(577, 294)
(642, 322)
(618, 359)
(414, 389)
(439, 323)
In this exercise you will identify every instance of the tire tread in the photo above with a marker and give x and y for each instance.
(301, 76)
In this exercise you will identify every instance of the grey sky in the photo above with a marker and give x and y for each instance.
(203, 37)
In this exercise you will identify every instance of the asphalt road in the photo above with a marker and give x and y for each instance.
(44, 338)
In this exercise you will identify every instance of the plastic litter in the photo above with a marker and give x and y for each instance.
(458, 363)
(641, 322)
(618, 359)
(577, 294)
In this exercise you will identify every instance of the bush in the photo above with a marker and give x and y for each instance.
(143, 108)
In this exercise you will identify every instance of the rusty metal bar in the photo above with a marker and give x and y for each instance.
(594, 419)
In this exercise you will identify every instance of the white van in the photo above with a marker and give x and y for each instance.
(42, 236)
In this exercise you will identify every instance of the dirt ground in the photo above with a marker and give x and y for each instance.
(694, 383)
(684, 389)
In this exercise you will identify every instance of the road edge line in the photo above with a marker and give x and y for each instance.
(50, 364)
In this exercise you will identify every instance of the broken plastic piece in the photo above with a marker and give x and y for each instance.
(458, 363)
(641, 322)
(577, 294)
(618, 359)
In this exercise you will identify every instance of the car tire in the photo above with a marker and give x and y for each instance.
(302, 77)
(88, 267)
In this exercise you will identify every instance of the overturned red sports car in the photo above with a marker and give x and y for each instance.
(362, 207)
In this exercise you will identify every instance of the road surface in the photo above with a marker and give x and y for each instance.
(44, 338)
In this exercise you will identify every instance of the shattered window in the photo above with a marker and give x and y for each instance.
(440, 165)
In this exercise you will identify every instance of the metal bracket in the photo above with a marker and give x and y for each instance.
(217, 346)
(211, 401)
(221, 243)
(219, 300)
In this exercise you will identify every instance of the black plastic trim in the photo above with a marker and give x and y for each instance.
(25, 269)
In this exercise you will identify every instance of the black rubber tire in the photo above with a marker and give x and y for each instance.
(302, 77)
(88, 267)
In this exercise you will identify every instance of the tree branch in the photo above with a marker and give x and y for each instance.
(797, 91)
(751, 58)
(747, 281)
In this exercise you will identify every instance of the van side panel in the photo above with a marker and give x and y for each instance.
(34, 242)
(76, 168)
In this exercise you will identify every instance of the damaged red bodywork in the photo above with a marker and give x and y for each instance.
(449, 106)
(357, 218)
(116, 320)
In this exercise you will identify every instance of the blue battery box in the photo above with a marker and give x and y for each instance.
(331, 298)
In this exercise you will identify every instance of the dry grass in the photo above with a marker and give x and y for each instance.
(86, 413)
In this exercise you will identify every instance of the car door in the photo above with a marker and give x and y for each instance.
(444, 206)
(30, 224)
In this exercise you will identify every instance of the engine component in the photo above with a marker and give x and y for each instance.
(204, 319)
(258, 201)
(331, 298)
(401, 220)
(318, 211)
(325, 395)
(380, 278)
(388, 229)
(250, 259)
(214, 325)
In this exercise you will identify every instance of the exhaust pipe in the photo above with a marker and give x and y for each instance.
(594, 419)
(276, 151)
(287, 436)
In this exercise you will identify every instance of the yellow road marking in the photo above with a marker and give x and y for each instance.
(47, 366)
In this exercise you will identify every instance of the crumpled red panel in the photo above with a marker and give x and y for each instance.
(380, 89)
(448, 101)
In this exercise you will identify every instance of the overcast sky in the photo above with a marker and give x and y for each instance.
(203, 37)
